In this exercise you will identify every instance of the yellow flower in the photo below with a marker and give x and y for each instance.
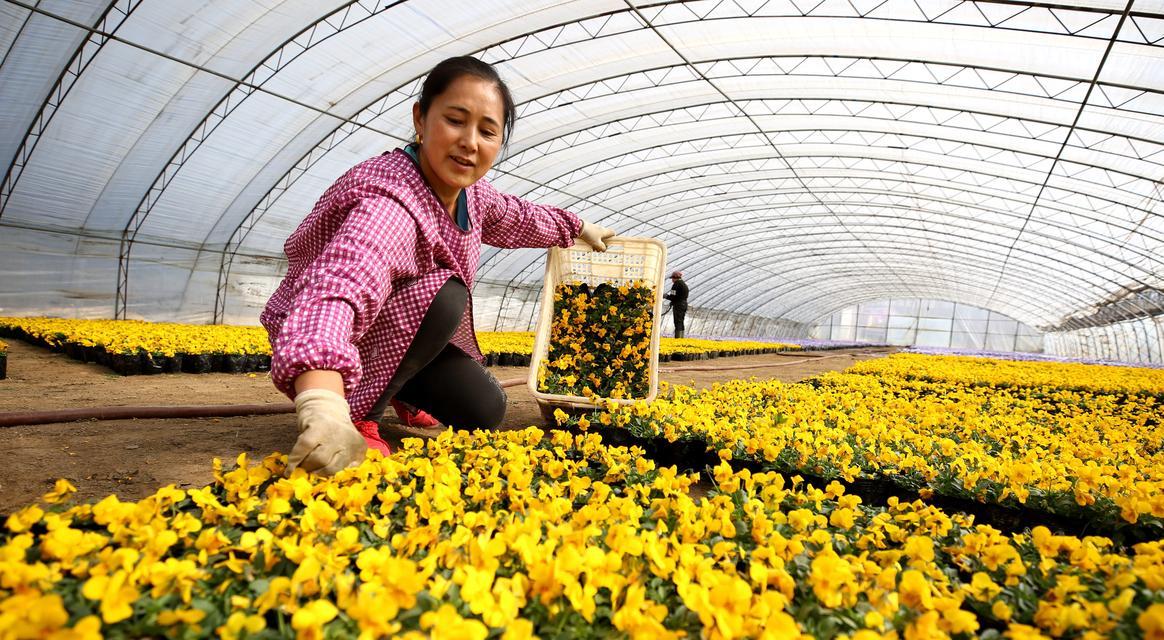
(915, 591)
(23, 519)
(239, 625)
(957, 621)
(1023, 632)
(982, 587)
(842, 518)
(180, 616)
(519, 629)
(830, 574)
(446, 624)
(87, 628)
(61, 490)
(311, 617)
(1151, 622)
(116, 594)
(1001, 610)
(31, 615)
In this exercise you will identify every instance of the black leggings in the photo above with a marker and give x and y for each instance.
(440, 378)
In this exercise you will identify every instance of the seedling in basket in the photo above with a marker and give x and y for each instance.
(600, 341)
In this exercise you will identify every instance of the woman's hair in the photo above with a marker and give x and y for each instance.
(449, 70)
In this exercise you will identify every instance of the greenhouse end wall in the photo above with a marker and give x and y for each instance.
(929, 323)
(1139, 340)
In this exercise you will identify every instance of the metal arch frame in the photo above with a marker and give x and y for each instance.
(858, 295)
(783, 252)
(731, 280)
(959, 169)
(887, 177)
(634, 10)
(816, 276)
(876, 200)
(935, 20)
(914, 220)
(891, 207)
(797, 250)
(520, 155)
(886, 243)
(1114, 36)
(697, 212)
(1067, 137)
(901, 177)
(250, 83)
(520, 271)
(689, 141)
(1078, 115)
(803, 253)
(915, 160)
(978, 161)
(243, 230)
(936, 217)
(617, 164)
(108, 23)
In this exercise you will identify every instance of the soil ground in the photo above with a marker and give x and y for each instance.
(133, 458)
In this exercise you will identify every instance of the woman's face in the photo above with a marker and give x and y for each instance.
(461, 135)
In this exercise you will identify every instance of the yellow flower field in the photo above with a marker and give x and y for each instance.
(170, 339)
(1066, 451)
(972, 371)
(528, 534)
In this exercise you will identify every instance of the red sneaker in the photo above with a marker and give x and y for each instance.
(413, 417)
(371, 432)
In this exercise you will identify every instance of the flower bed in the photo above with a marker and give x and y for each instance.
(1002, 374)
(132, 347)
(509, 535)
(1087, 455)
(681, 349)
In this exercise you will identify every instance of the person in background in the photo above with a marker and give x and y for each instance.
(678, 298)
(376, 309)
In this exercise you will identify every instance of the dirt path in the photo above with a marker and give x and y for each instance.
(133, 458)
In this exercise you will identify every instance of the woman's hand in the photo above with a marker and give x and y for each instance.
(328, 441)
(595, 235)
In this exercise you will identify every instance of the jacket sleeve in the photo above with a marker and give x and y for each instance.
(510, 222)
(341, 293)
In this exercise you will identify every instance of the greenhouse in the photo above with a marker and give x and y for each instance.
(276, 363)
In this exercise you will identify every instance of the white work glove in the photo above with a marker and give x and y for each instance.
(328, 441)
(595, 235)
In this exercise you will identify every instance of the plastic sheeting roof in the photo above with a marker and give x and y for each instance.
(797, 157)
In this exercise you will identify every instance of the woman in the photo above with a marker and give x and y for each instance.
(375, 307)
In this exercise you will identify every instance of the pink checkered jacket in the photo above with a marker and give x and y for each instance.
(364, 266)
